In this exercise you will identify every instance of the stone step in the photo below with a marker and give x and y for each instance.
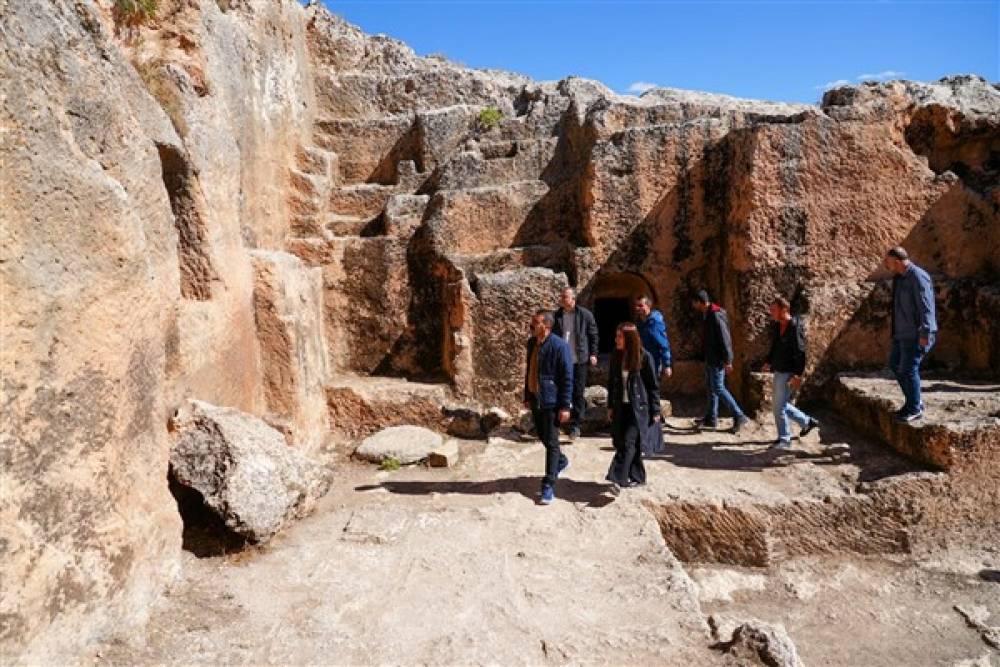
(960, 428)
(495, 163)
(364, 200)
(353, 225)
(363, 404)
(317, 161)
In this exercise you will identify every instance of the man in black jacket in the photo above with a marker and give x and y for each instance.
(576, 325)
(717, 353)
(787, 360)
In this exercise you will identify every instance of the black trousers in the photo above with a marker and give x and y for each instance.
(579, 404)
(626, 435)
(547, 426)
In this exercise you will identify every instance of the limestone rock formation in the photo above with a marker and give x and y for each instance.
(243, 469)
(254, 203)
(757, 643)
(405, 444)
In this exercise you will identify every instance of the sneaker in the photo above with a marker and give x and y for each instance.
(634, 484)
(809, 427)
(705, 422)
(548, 495)
(574, 433)
(781, 444)
(738, 424)
(563, 467)
(907, 417)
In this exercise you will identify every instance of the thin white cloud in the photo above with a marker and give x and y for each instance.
(639, 87)
(833, 84)
(881, 76)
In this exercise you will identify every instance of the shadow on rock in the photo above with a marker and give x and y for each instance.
(591, 494)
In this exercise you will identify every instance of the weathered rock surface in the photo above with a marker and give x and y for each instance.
(406, 444)
(758, 643)
(289, 314)
(244, 470)
(156, 176)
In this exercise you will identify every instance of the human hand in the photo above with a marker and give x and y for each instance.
(593, 360)
(668, 371)
(563, 416)
(925, 342)
(766, 368)
(657, 418)
(729, 368)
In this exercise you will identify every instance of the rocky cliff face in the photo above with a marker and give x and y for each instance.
(243, 200)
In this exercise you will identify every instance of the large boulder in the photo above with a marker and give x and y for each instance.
(406, 444)
(243, 469)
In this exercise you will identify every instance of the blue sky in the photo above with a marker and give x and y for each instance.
(769, 49)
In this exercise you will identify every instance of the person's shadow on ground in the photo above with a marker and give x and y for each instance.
(591, 494)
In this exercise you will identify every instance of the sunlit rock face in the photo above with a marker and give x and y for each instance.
(252, 203)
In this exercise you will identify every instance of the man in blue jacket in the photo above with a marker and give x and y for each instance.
(653, 333)
(548, 393)
(914, 328)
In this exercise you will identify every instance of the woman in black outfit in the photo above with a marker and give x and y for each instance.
(633, 406)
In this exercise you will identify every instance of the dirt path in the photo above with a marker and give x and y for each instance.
(461, 566)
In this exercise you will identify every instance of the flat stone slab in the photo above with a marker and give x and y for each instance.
(961, 422)
(406, 444)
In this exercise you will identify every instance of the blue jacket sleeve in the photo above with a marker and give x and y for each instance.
(565, 370)
(659, 331)
(925, 305)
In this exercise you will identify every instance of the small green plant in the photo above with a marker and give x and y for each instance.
(130, 14)
(390, 464)
(489, 118)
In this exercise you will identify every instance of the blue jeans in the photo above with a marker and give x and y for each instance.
(715, 381)
(904, 361)
(783, 408)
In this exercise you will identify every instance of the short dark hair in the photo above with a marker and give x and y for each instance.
(781, 302)
(644, 298)
(547, 317)
(701, 296)
(899, 252)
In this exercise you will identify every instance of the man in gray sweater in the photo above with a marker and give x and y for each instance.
(914, 328)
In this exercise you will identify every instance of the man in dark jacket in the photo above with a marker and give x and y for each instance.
(577, 326)
(914, 328)
(787, 361)
(548, 393)
(717, 353)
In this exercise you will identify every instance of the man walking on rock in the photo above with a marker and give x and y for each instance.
(787, 360)
(914, 328)
(717, 353)
(577, 326)
(548, 392)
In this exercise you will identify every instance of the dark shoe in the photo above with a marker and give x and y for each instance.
(738, 424)
(574, 433)
(809, 427)
(907, 417)
(705, 422)
(548, 495)
(782, 445)
(633, 484)
(563, 467)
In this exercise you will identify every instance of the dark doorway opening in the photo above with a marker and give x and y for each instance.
(609, 313)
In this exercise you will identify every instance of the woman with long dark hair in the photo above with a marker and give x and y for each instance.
(633, 406)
